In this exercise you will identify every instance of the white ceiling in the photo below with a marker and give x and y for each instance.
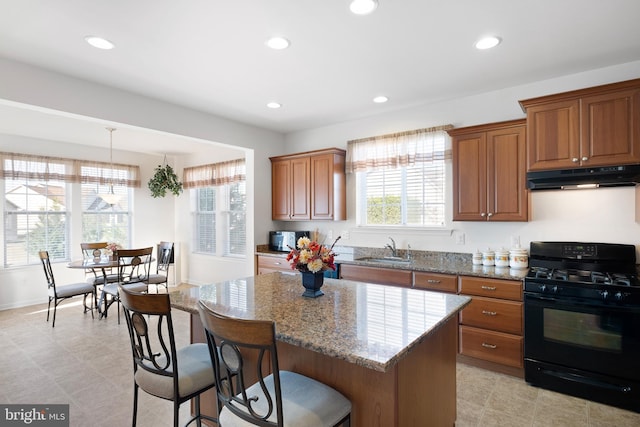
(210, 54)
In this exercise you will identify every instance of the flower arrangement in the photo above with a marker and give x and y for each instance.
(111, 248)
(311, 256)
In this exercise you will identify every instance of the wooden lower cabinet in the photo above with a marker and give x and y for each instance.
(383, 276)
(269, 264)
(497, 347)
(491, 326)
(435, 282)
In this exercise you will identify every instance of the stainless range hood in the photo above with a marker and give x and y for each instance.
(608, 176)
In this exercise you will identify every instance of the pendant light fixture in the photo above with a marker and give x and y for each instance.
(110, 197)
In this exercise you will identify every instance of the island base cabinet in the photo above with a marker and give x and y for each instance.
(498, 347)
(418, 391)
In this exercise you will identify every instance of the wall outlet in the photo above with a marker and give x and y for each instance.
(345, 234)
(515, 241)
(459, 238)
(329, 234)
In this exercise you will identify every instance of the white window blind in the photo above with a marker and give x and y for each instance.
(220, 198)
(102, 222)
(401, 178)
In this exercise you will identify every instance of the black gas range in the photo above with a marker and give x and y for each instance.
(598, 271)
(582, 321)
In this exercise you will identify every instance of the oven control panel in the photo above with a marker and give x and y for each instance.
(579, 251)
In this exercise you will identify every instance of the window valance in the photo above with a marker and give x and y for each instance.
(215, 174)
(46, 168)
(398, 149)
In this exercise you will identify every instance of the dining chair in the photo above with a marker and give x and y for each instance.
(159, 369)
(133, 274)
(165, 258)
(57, 294)
(97, 277)
(282, 398)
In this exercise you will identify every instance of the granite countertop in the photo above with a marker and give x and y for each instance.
(369, 325)
(434, 262)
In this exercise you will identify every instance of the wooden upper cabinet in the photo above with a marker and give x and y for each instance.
(309, 186)
(489, 172)
(599, 126)
(290, 189)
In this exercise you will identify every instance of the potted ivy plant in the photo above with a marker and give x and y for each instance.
(163, 180)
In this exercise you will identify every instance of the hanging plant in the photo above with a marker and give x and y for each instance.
(164, 179)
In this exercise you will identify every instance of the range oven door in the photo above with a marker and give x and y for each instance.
(583, 347)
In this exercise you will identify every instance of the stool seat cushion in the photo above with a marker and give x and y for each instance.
(194, 373)
(305, 402)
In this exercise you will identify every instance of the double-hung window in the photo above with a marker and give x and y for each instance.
(37, 207)
(400, 178)
(220, 204)
(106, 201)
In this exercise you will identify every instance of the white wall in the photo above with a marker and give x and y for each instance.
(606, 215)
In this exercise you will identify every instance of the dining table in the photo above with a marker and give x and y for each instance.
(102, 263)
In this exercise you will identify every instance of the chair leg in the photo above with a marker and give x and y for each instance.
(176, 412)
(55, 308)
(135, 404)
(48, 308)
(197, 404)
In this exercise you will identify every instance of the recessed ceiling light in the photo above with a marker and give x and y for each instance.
(278, 43)
(99, 42)
(363, 7)
(487, 42)
(380, 99)
(274, 105)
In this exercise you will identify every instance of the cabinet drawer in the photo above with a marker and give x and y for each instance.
(435, 282)
(492, 288)
(269, 264)
(383, 276)
(497, 347)
(489, 313)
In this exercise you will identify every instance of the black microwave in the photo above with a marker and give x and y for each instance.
(283, 241)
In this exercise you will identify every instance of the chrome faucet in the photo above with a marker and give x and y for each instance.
(392, 246)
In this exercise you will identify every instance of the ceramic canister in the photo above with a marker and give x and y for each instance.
(488, 257)
(518, 258)
(502, 258)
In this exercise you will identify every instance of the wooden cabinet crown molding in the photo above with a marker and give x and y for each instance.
(580, 93)
(309, 153)
(486, 127)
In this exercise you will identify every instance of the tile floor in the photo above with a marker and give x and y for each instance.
(87, 363)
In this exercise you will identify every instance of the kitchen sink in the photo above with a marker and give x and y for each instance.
(385, 260)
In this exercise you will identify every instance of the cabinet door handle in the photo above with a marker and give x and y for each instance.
(488, 288)
(433, 281)
(585, 158)
(482, 214)
(487, 345)
(574, 160)
(490, 214)
(489, 313)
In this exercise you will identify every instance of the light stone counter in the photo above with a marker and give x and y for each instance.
(366, 324)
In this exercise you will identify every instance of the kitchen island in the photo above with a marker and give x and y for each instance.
(391, 351)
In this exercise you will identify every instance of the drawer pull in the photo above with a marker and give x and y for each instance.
(491, 346)
(277, 263)
(433, 281)
(489, 313)
(488, 288)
